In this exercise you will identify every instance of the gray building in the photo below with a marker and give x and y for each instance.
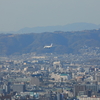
(78, 88)
(18, 88)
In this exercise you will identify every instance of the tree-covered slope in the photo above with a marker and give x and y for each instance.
(63, 42)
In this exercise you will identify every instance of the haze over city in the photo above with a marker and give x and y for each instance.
(49, 50)
(17, 14)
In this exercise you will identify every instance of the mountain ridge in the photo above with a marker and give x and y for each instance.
(63, 42)
(69, 27)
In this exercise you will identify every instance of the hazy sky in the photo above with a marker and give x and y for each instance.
(17, 14)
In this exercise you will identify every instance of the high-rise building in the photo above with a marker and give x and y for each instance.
(91, 87)
(78, 88)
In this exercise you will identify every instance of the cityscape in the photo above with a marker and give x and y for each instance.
(51, 76)
(49, 50)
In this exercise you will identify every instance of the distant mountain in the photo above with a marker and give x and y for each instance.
(68, 27)
(63, 42)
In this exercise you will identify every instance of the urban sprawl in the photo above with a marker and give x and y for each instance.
(51, 76)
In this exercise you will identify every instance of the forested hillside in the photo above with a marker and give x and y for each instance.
(63, 42)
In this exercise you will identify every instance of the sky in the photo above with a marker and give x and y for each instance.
(17, 14)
